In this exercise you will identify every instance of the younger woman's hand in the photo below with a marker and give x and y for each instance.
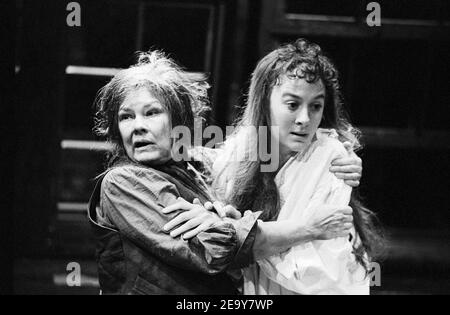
(349, 168)
(193, 220)
(338, 224)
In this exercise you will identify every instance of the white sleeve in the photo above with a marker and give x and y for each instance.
(310, 267)
(319, 267)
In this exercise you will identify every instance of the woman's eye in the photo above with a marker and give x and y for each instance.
(152, 112)
(317, 107)
(292, 105)
(124, 117)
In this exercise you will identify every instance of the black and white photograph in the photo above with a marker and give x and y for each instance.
(225, 152)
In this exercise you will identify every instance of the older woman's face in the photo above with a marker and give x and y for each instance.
(145, 128)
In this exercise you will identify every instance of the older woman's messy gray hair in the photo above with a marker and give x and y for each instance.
(183, 94)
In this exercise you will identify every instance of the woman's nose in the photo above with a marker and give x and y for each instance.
(139, 125)
(302, 117)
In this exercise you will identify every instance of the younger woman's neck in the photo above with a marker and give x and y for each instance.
(284, 157)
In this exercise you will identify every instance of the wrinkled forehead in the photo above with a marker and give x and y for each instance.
(145, 89)
(138, 96)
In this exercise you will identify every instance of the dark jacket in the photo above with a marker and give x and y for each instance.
(135, 255)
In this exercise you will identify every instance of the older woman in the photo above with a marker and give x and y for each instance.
(137, 110)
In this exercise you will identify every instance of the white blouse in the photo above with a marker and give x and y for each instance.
(318, 267)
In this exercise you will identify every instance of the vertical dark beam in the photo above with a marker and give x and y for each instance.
(140, 26)
(209, 45)
(39, 113)
(7, 149)
(239, 53)
(219, 109)
(221, 59)
(271, 13)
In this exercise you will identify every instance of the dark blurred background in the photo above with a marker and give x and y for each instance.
(395, 81)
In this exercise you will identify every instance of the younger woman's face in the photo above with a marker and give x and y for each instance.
(296, 107)
(145, 128)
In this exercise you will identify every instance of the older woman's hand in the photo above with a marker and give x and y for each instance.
(349, 168)
(194, 219)
(224, 211)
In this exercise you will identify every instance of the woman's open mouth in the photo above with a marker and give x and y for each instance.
(142, 144)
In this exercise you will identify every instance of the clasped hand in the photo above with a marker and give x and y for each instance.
(196, 217)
